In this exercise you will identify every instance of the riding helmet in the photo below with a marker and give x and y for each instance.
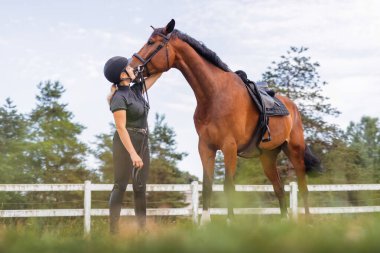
(114, 67)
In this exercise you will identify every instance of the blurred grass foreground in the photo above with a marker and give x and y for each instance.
(328, 233)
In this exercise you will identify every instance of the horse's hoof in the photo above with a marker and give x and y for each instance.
(285, 219)
(205, 218)
(229, 222)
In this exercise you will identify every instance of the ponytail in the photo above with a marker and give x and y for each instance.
(112, 92)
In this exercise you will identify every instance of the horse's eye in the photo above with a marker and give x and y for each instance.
(150, 42)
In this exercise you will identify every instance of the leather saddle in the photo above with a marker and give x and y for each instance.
(268, 106)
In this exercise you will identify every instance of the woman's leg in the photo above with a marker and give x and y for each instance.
(139, 187)
(122, 171)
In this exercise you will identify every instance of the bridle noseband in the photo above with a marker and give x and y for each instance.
(144, 62)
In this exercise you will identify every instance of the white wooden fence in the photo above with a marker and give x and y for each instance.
(194, 188)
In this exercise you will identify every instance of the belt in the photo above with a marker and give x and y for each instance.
(138, 130)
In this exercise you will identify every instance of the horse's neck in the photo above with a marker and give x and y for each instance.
(200, 74)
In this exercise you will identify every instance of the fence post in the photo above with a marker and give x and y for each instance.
(195, 201)
(294, 200)
(87, 207)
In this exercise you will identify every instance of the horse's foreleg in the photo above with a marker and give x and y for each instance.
(230, 159)
(208, 162)
(268, 160)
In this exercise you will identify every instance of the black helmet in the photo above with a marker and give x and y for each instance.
(114, 67)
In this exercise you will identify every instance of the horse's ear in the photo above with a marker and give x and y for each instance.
(170, 26)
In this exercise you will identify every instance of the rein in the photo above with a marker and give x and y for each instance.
(140, 69)
(136, 177)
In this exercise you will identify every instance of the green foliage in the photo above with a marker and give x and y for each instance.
(13, 144)
(355, 158)
(365, 138)
(297, 77)
(57, 155)
(249, 171)
(42, 147)
(219, 168)
(349, 234)
(103, 153)
(163, 165)
(13, 148)
(163, 143)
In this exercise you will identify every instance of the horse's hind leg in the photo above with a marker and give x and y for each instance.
(208, 163)
(268, 160)
(295, 151)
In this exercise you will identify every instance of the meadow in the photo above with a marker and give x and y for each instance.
(327, 233)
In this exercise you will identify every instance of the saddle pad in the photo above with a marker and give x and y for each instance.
(278, 109)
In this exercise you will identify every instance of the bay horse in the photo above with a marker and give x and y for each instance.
(225, 116)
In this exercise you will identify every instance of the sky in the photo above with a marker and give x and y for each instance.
(71, 40)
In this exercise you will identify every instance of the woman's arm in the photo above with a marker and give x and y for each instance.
(148, 81)
(120, 118)
(151, 80)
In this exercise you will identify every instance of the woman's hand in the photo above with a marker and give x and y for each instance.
(136, 161)
(126, 76)
(130, 72)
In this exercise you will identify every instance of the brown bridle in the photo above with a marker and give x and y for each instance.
(145, 62)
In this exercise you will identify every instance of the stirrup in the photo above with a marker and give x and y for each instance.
(269, 137)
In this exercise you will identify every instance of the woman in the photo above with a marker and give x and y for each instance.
(130, 142)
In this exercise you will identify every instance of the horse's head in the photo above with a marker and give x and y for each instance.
(157, 55)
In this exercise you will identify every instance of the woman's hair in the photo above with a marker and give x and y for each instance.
(112, 92)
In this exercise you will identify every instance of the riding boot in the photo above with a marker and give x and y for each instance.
(115, 204)
(140, 208)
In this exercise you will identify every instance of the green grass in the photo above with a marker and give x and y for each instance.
(348, 233)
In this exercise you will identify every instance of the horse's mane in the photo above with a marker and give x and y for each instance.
(200, 48)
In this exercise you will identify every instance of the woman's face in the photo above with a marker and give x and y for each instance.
(125, 82)
(127, 77)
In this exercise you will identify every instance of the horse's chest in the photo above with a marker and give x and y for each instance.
(204, 119)
(210, 130)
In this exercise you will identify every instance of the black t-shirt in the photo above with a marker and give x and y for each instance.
(130, 98)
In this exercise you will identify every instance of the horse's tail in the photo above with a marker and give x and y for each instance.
(312, 163)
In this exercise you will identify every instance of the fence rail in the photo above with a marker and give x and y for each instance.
(194, 188)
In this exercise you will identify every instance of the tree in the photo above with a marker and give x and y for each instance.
(103, 153)
(297, 77)
(13, 148)
(13, 144)
(365, 138)
(162, 142)
(56, 154)
(219, 168)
